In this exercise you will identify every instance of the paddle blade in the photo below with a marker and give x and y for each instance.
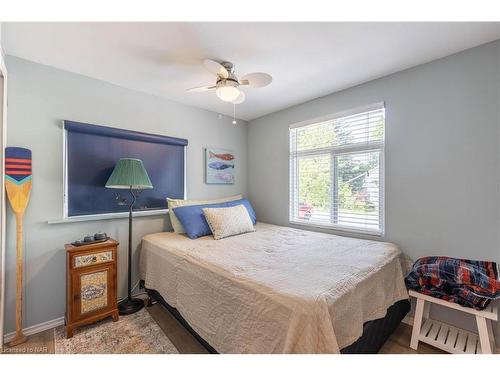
(201, 88)
(18, 174)
(216, 68)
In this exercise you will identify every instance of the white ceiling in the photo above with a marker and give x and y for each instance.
(306, 60)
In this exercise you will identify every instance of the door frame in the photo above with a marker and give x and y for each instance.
(3, 142)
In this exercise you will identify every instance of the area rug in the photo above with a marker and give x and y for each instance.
(132, 334)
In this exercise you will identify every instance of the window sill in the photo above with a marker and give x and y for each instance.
(117, 215)
(337, 228)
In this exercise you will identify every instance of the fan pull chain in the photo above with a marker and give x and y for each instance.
(234, 114)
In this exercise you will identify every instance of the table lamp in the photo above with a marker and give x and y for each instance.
(129, 174)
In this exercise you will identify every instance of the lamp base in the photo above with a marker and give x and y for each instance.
(130, 306)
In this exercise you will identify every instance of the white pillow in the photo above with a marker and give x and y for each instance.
(228, 221)
(172, 203)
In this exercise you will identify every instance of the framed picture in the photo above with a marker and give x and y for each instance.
(219, 168)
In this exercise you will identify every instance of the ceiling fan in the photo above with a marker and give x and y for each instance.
(227, 85)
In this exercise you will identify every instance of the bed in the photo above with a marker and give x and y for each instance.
(278, 289)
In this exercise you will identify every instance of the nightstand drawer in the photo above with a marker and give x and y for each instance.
(91, 259)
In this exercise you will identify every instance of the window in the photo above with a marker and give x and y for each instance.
(336, 171)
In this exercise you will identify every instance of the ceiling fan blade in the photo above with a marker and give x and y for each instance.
(240, 99)
(201, 89)
(215, 68)
(256, 80)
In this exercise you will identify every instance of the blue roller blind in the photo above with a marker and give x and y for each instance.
(91, 154)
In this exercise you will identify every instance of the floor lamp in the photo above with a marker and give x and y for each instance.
(129, 174)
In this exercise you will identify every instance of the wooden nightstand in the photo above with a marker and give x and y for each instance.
(90, 284)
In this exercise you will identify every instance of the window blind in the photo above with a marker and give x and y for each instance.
(91, 153)
(336, 172)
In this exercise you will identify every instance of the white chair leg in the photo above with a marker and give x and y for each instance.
(484, 338)
(427, 310)
(491, 335)
(417, 323)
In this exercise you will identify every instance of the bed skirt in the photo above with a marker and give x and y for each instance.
(375, 332)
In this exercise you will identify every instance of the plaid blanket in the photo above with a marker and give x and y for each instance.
(470, 283)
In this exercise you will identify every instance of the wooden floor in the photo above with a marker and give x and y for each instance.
(43, 342)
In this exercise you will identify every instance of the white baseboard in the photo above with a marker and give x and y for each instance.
(40, 327)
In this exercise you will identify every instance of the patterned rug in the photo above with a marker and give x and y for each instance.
(132, 334)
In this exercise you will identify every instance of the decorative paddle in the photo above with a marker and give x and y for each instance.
(18, 186)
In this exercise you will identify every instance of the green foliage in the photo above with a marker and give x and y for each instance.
(346, 199)
(315, 180)
(378, 132)
(351, 168)
(321, 135)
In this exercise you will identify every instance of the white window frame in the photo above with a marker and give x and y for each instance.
(337, 151)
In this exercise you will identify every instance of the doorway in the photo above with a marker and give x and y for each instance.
(3, 132)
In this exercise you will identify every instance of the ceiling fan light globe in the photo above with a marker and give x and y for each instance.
(227, 93)
(240, 99)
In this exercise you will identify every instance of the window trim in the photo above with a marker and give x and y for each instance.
(337, 151)
(339, 114)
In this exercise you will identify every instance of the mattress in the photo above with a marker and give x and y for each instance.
(276, 290)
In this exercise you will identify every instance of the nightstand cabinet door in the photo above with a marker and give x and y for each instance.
(93, 290)
(90, 284)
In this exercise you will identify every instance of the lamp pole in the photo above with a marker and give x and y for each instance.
(130, 244)
(130, 305)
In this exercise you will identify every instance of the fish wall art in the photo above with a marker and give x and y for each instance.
(219, 167)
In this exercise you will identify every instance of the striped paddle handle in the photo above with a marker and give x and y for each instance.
(19, 266)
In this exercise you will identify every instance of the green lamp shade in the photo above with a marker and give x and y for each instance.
(129, 173)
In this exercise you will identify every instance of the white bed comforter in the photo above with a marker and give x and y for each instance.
(277, 290)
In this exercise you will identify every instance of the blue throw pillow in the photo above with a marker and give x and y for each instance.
(194, 222)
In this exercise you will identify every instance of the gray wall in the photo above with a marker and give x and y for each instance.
(39, 98)
(442, 165)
